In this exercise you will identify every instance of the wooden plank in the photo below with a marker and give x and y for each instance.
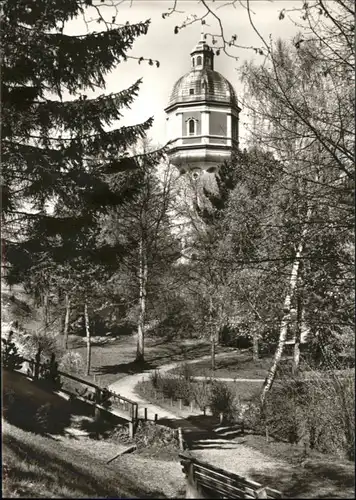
(272, 493)
(205, 471)
(237, 480)
(223, 486)
(220, 492)
(217, 470)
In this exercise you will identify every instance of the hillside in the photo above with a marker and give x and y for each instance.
(58, 465)
(38, 467)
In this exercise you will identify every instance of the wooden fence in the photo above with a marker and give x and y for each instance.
(100, 397)
(206, 481)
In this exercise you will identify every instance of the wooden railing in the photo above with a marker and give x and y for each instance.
(206, 481)
(91, 393)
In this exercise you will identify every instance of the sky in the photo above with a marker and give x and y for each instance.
(173, 50)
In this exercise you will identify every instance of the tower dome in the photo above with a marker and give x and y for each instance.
(202, 116)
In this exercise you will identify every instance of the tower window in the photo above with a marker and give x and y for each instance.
(191, 91)
(191, 127)
(193, 62)
(199, 61)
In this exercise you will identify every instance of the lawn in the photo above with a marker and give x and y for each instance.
(237, 364)
(116, 358)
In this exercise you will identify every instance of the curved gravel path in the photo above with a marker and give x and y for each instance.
(126, 387)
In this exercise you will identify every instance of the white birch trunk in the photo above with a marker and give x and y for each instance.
(66, 321)
(143, 276)
(284, 323)
(297, 338)
(287, 313)
(87, 331)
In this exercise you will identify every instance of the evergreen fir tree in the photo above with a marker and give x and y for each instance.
(57, 153)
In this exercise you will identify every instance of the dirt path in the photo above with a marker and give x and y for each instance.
(224, 452)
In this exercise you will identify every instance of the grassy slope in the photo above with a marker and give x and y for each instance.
(37, 467)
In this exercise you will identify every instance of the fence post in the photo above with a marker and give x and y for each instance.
(37, 363)
(180, 404)
(180, 439)
(131, 429)
(145, 413)
(156, 418)
(97, 401)
(261, 493)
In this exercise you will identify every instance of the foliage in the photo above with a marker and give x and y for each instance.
(185, 371)
(19, 410)
(318, 412)
(64, 159)
(72, 362)
(155, 378)
(10, 356)
(49, 376)
(222, 400)
(142, 225)
(150, 434)
(201, 393)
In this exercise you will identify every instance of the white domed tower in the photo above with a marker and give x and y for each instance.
(202, 116)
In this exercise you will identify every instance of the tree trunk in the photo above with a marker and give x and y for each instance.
(213, 350)
(45, 311)
(212, 334)
(87, 331)
(66, 321)
(255, 346)
(284, 324)
(297, 338)
(143, 275)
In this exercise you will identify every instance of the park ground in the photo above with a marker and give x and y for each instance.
(34, 467)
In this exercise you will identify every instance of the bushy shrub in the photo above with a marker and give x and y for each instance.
(10, 356)
(26, 414)
(318, 411)
(72, 362)
(253, 416)
(49, 419)
(222, 400)
(201, 392)
(150, 434)
(171, 386)
(281, 412)
(168, 386)
(8, 404)
(185, 371)
(155, 379)
(49, 376)
(183, 390)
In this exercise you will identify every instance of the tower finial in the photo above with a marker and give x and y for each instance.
(202, 33)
